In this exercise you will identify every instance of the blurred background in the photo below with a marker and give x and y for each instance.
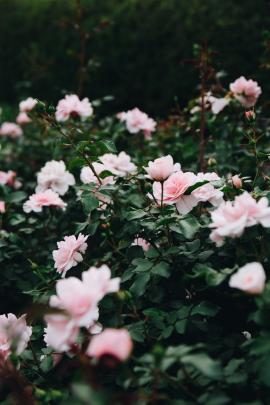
(139, 51)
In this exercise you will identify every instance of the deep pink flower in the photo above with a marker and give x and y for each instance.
(249, 278)
(246, 91)
(69, 253)
(43, 199)
(10, 129)
(72, 106)
(111, 342)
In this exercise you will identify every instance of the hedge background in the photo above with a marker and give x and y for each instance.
(135, 47)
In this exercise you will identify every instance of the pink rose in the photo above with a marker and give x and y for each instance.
(111, 342)
(236, 181)
(136, 121)
(10, 129)
(249, 278)
(87, 176)
(141, 242)
(2, 207)
(72, 106)
(43, 199)
(160, 169)
(69, 253)
(99, 279)
(55, 176)
(61, 333)
(218, 104)
(245, 91)
(79, 302)
(8, 178)
(22, 118)
(27, 105)
(119, 165)
(13, 331)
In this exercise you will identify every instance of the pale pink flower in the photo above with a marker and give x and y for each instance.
(245, 91)
(87, 176)
(2, 207)
(55, 176)
(7, 178)
(207, 192)
(69, 253)
(13, 332)
(43, 199)
(111, 342)
(249, 278)
(160, 169)
(231, 218)
(119, 165)
(236, 181)
(23, 118)
(72, 106)
(141, 242)
(136, 121)
(99, 279)
(218, 104)
(61, 332)
(77, 300)
(10, 129)
(27, 105)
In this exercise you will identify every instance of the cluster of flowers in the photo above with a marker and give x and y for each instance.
(245, 91)
(172, 185)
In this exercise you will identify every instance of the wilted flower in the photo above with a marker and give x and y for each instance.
(72, 107)
(54, 176)
(43, 199)
(249, 278)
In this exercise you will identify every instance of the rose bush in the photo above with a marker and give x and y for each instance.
(130, 271)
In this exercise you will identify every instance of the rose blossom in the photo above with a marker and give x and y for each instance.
(54, 176)
(77, 300)
(10, 129)
(22, 118)
(87, 176)
(99, 279)
(69, 253)
(43, 199)
(136, 121)
(249, 278)
(160, 169)
(27, 105)
(111, 342)
(61, 332)
(2, 207)
(141, 242)
(13, 330)
(72, 106)
(8, 178)
(246, 91)
(119, 165)
(231, 218)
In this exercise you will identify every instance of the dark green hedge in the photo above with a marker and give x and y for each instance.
(140, 49)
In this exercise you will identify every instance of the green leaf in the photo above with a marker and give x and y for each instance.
(90, 202)
(140, 283)
(161, 269)
(106, 146)
(203, 363)
(205, 308)
(16, 197)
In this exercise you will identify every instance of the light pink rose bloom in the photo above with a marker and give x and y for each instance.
(72, 106)
(87, 176)
(119, 165)
(99, 279)
(111, 342)
(43, 199)
(61, 333)
(218, 104)
(69, 253)
(55, 176)
(13, 331)
(160, 169)
(231, 218)
(7, 178)
(2, 207)
(245, 91)
(249, 278)
(78, 300)
(236, 181)
(141, 242)
(10, 129)
(136, 121)
(23, 118)
(27, 105)
(207, 192)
